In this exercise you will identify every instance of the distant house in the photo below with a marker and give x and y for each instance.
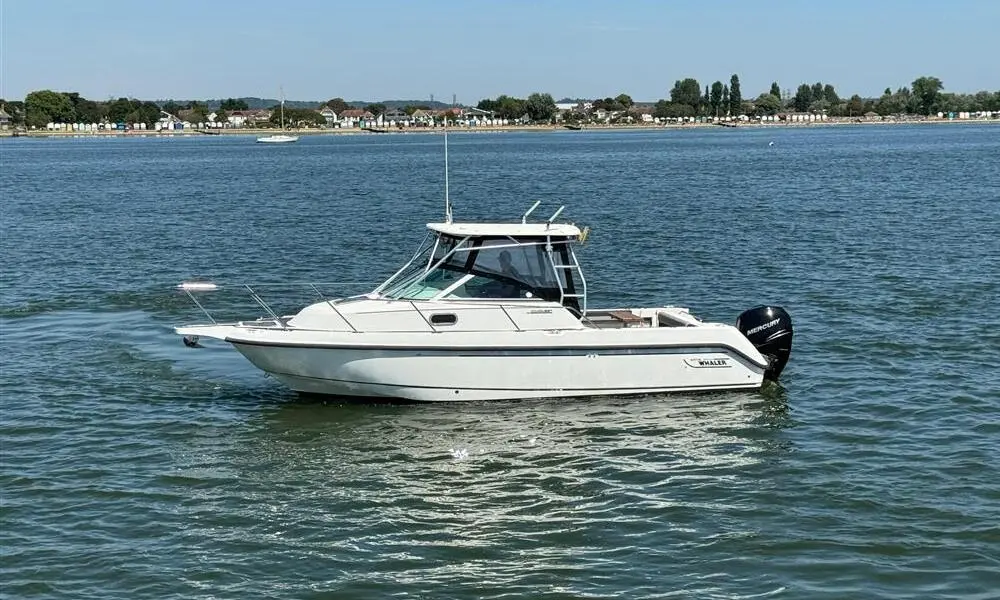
(643, 113)
(354, 117)
(423, 117)
(329, 115)
(4, 118)
(238, 118)
(397, 117)
(248, 118)
(477, 112)
(456, 111)
(168, 121)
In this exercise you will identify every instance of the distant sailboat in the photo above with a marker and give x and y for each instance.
(279, 138)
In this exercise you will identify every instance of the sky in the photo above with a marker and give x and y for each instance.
(412, 49)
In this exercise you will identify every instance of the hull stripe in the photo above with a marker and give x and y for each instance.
(467, 351)
(520, 389)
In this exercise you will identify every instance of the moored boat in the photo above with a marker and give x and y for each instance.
(487, 311)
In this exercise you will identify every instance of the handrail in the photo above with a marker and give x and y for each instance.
(264, 305)
(330, 303)
(426, 320)
(524, 219)
(512, 321)
(282, 323)
(198, 304)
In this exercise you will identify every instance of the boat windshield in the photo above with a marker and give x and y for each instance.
(488, 268)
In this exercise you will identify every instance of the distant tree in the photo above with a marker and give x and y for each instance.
(222, 116)
(409, 109)
(488, 105)
(926, 89)
(172, 107)
(199, 112)
(45, 106)
(230, 104)
(985, 101)
(376, 109)
(855, 106)
(767, 104)
(119, 109)
(89, 111)
(725, 99)
(803, 98)
(540, 107)
(687, 91)
(672, 110)
(735, 98)
(706, 101)
(144, 112)
(337, 105)
(830, 94)
(889, 104)
(296, 117)
(625, 101)
(775, 90)
(817, 90)
(819, 106)
(660, 109)
(509, 107)
(715, 98)
(608, 103)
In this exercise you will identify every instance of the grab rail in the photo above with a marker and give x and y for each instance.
(253, 290)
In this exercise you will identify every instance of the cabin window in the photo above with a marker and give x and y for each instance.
(444, 319)
(494, 268)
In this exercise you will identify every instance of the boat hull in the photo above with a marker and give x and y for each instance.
(278, 139)
(435, 375)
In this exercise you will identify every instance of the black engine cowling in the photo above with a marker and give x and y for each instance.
(769, 329)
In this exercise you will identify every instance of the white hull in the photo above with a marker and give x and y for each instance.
(278, 139)
(456, 375)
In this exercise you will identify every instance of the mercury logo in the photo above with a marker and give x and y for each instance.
(759, 328)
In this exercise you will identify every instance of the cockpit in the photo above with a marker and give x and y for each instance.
(470, 267)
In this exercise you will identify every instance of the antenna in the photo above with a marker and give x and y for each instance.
(557, 213)
(447, 198)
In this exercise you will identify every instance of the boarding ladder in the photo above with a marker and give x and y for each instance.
(579, 292)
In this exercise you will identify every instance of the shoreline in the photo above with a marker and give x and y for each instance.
(491, 129)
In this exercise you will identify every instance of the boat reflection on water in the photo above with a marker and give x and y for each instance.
(498, 494)
(654, 433)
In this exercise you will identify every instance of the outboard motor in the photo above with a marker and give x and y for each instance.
(769, 329)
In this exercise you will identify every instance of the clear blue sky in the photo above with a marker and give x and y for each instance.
(400, 49)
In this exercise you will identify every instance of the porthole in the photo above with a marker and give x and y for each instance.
(444, 319)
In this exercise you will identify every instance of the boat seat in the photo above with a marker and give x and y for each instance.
(626, 317)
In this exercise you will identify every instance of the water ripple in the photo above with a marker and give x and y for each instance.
(133, 467)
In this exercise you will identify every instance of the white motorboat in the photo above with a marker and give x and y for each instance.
(487, 311)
